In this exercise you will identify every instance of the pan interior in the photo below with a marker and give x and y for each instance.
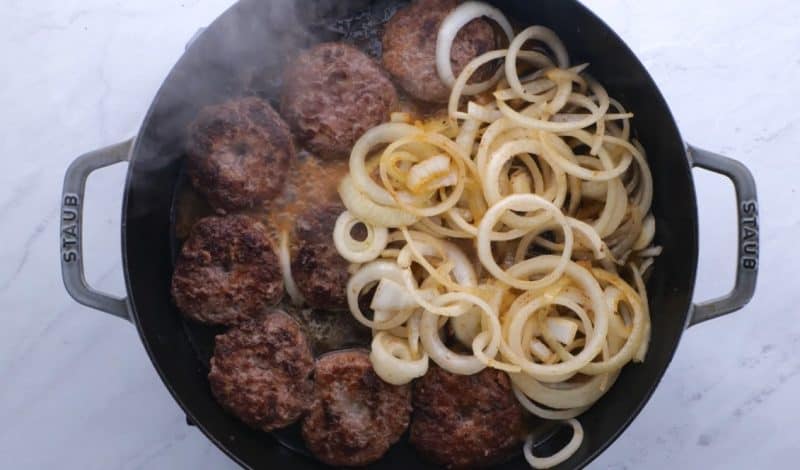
(242, 53)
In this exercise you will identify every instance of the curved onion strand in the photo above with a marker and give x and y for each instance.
(562, 455)
(449, 28)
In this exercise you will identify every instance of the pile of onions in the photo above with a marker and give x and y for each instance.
(519, 227)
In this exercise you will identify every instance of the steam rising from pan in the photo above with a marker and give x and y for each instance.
(244, 54)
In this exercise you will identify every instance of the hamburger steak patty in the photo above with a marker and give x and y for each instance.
(332, 94)
(239, 153)
(261, 371)
(227, 271)
(317, 268)
(466, 421)
(409, 48)
(356, 416)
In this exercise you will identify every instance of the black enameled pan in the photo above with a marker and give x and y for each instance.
(253, 39)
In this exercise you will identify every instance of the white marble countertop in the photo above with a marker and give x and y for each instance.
(77, 389)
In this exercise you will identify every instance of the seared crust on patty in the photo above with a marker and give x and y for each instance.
(409, 48)
(318, 270)
(239, 153)
(332, 94)
(356, 416)
(227, 271)
(466, 421)
(261, 371)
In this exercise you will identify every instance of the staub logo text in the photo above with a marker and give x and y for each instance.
(749, 241)
(70, 237)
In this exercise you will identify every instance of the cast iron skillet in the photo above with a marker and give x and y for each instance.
(252, 40)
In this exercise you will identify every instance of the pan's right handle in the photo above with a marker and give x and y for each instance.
(747, 211)
(72, 227)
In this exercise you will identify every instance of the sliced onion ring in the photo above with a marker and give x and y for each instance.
(382, 134)
(560, 456)
(450, 27)
(365, 209)
(357, 251)
(520, 202)
(367, 276)
(538, 33)
(393, 359)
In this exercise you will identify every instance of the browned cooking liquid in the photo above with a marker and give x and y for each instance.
(312, 182)
(190, 206)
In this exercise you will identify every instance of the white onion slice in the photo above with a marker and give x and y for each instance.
(594, 190)
(400, 116)
(284, 258)
(521, 202)
(563, 329)
(466, 327)
(382, 134)
(589, 286)
(650, 252)
(393, 360)
(563, 396)
(365, 209)
(483, 113)
(647, 234)
(544, 413)
(425, 175)
(450, 27)
(537, 33)
(370, 274)
(540, 350)
(560, 456)
(358, 251)
(391, 296)
(483, 350)
(521, 183)
(642, 291)
(466, 137)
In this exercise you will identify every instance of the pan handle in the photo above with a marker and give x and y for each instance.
(747, 259)
(72, 228)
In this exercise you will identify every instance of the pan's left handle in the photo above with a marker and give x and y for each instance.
(71, 239)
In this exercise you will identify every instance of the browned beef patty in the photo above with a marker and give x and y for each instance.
(356, 416)
(466, 421)
(227, 271)
(332, 94)
(409, 48)
(261, 371)
(239, 153)
(320, 273)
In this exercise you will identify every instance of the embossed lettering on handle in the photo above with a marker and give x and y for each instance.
(749, 231)
(70, 227)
